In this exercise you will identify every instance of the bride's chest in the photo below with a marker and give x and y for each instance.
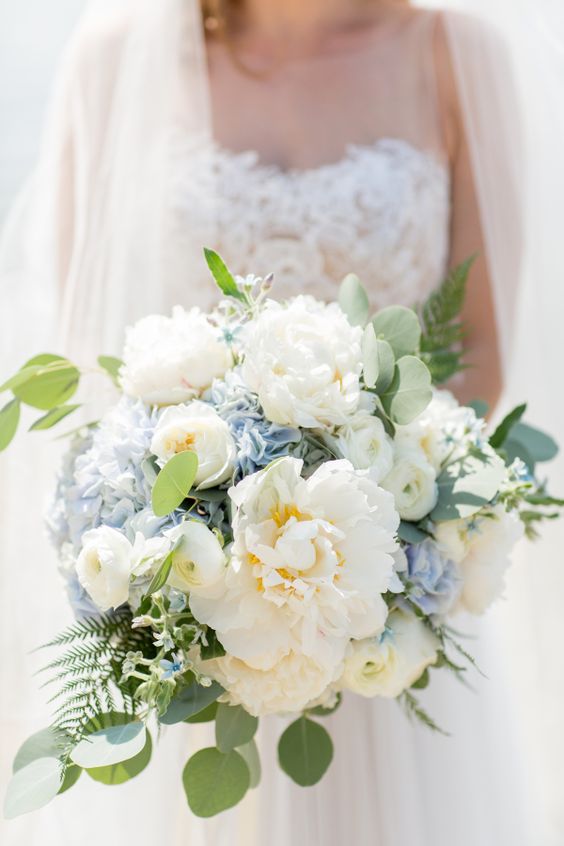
(382, 212)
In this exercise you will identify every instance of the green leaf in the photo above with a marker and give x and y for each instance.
(51, 381)
(410, 533)
(32, 787)
(47, 743)
(206, 715)
(9, 419)
(112, 366)
(124, 770)
(305, 751)
(480, 407)
(540, 446)
(173, 483)
(233, 727)
(53, 417)
(72, 774)
(223, 277)
(503, 430)
(423, 681)
(191, 700)
(353, 300)
(466, 486)
(159, 579)
(409, 392)
(378, 360)
(110, 745)
(250, 755)
(321, 711)
(213, 648)
(23, 375)
(214, 781)
(399, 326)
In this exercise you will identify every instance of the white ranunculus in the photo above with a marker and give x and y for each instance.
(481, 546)
(310, 562)
(168, 360)
(291, 685)
(105, 566)
(412, 481)
(363, 441)
(198, 562)
(199, 428)
(444, 430)
(304, 360)
(388, 665)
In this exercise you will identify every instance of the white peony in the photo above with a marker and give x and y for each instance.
(481, 547)
(363, 441)
(310, 561)
(412, 481)
(199, 428)
(198, 562)
(108, 562)
(291, 685)
(303, 359)
(388, 665)
(443, 431)
(168, 360)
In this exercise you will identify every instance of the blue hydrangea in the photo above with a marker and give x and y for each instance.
(433, 582)
(258, 440)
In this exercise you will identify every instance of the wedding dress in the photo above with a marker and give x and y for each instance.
(382, 211)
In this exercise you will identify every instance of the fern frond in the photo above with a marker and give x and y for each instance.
(414, 710)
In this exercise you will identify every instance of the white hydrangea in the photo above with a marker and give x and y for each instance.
(310, 562)
(304, 361)
(168, 360)
(481, 546)
(388, 665)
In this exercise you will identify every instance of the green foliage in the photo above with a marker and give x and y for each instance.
(206, 715)
(159, 579)
(53, 417)
(416, 712)
(353, 300)
(47, 743)
(502, 432)
(49, 381)
(305, 751)
(442, 332)
(33, 786)
(223, 277)
(233, 727)
(400, 327)
(190, 700)
(112, 366)
(378, 358)
(410, 533)
(214, 781)
(250, 755)
(529, 444)
(321, 711)
(467, 485)
(423, 681)
(9, 419)
(173, 483)
(409, 392)
(110, 746)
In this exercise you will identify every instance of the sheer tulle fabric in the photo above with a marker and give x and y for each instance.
(93, 241)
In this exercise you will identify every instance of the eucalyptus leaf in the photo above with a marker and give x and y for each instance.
(124, 770)
(72, 774)
(409, 392)
(249, 753)
(400, 327)
(53, 417)
(233, 727)
(410, 533)
(540, 446)
(322, 711)
(214, 781)
(173, 483)
(353, 300)
(110, 745)
(47, 743)
(112, 366)
(9, 419)
(503, 431)
(305, 751)
(467, 486)
(51, 382)
(480, 407)
(378, 360)
(32, 787)
(206, 715)
(223, 277)
(189, 701)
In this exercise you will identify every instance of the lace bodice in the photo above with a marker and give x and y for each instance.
(381, 212)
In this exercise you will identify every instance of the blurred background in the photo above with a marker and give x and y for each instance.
(32, 34)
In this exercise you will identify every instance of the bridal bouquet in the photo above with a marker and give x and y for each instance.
(279, 510)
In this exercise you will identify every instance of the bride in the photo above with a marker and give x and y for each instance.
(311, 140)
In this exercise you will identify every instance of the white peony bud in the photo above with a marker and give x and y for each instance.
(199, 428)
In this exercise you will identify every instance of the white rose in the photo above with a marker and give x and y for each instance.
(412, 481)
(198, 562)
(169, 360)
(363, 441)
(311, 560)
(199, 428)
(481, 546)
(388, 665)
(290, 685)
(303, 359)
